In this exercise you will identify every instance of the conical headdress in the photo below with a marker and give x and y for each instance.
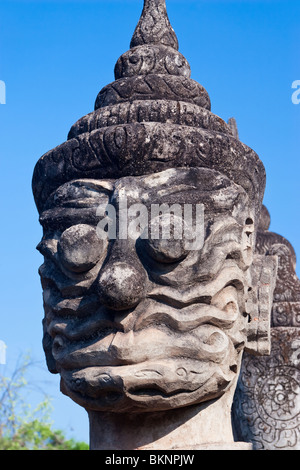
(151, 118)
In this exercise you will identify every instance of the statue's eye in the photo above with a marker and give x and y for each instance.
(165, 251)
(164, 240)
(79, 248)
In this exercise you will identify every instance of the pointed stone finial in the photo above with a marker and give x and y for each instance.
(234, 128)
(154, 26)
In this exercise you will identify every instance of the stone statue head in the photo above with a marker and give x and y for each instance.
(146, 322)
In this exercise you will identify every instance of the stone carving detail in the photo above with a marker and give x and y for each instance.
(266, 408)
(153, 87)
(154, 26)
(145, 60)
(141, 148)
(172, 112)
(147, 328)
(269, 411)
(267, 404)
(233, 126)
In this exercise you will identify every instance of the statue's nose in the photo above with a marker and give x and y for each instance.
(121, 285)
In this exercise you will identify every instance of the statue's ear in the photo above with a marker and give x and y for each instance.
(248, 242)
(259, 304)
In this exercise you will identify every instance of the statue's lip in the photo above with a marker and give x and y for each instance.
(206, 342)
(155, 383)
(177, 319)
(112, 338)
(181, 311)
(78, 329)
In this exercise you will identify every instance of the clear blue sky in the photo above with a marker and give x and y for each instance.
(55, 56)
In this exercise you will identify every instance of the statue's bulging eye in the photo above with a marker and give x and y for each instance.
(165, 251)
(164, 240)
(79, 248)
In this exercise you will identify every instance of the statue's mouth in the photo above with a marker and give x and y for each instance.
(153, 330)
(154, 385)
(147, 356)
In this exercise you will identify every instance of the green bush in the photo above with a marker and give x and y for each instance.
(22, 428)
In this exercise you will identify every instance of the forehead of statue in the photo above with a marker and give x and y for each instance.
(183, 186)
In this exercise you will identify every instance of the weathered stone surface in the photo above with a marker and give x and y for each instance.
(144, 148)
(124, 136)
(172, 112)
(263, 273)
(148, 332)
(144, 60)
(266, 408)
(153, 86)
(267, 412)
(233, 126)
(154, 26)
(179, 429)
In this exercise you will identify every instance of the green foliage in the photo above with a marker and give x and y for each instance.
(22, 428)
(36, 435)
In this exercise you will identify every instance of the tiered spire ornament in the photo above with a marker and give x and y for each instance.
(153, 108)
(154, 26)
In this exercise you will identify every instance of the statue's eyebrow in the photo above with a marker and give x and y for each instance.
(166, 191)
(73, 201)
(80, 193)
(97, 185)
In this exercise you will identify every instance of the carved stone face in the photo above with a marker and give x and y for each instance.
(146, 324)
